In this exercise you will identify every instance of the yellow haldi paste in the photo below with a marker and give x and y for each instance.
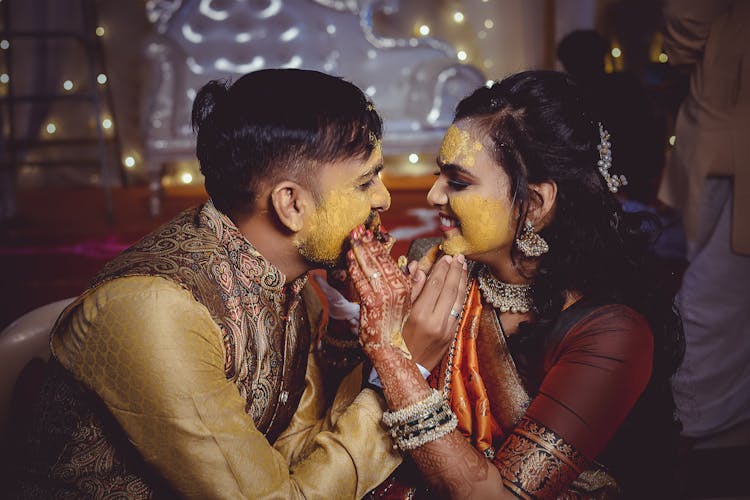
(485, 225)
(459, 148)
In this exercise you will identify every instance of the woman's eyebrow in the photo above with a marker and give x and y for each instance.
(452, 167)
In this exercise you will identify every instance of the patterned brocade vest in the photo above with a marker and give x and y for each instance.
(266, 338)
(264, 325)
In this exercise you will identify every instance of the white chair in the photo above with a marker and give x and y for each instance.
(22, 341)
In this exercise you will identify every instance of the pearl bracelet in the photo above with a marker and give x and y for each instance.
(440, 429)
(421, 422)
(390, 418)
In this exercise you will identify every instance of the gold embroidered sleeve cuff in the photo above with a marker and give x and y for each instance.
(535, 462)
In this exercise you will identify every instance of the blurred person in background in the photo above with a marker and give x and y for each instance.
(708, 180)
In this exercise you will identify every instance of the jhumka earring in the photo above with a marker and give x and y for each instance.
(530, 243)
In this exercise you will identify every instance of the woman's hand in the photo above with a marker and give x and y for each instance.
(436, 309)
(384, 291)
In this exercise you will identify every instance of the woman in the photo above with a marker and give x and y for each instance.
(556, 383)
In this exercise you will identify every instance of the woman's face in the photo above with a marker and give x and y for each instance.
(473, 195)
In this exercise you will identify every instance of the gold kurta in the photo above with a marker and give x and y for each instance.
(164, 365)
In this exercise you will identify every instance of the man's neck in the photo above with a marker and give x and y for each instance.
(276, 247)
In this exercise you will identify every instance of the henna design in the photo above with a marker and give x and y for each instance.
(385, 301)
(451, 466)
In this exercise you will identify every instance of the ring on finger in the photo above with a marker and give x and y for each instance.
(455, 313)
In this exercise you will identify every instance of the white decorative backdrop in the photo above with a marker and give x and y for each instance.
(416, 58)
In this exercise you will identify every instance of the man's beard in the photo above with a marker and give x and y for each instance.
(372, 222)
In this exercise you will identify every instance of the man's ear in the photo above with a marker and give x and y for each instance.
(543, 197)
(291, 202)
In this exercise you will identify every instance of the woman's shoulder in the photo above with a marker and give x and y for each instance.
(615, 325)
(589, 311)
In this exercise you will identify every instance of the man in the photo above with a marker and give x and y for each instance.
(184, 363)
(708, 178)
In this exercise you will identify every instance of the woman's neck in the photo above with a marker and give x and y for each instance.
(506, 271)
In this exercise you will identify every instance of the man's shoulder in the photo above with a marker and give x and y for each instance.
(140, 294)
(182, 242)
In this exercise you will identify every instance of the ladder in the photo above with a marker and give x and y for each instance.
(13, 146)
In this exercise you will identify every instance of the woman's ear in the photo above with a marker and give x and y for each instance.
(291, 202)
(542, 203)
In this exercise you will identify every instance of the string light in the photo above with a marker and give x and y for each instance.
(107, 123)
(489, 24)
(101, 78)
(424, 30)
(458, 17)
(413, 158)
(672, 140)
(461, 54)
(68, 85)
(663, 57)
(186, 178)
(4, 78)
(4, 44)
(99, 31)
(616, 52)
(129, 162)
(51, 128)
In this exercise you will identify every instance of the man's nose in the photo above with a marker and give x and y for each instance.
(381, 199)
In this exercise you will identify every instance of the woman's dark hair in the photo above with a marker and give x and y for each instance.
(542, 130)
(274, 124)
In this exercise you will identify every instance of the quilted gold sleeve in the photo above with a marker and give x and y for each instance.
(155, 358)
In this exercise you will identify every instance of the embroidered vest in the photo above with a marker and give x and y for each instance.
(265, 331)
(75, 446)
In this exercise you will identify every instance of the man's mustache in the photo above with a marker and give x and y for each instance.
(371, 219)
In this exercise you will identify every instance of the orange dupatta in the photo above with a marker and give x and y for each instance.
(469, 393)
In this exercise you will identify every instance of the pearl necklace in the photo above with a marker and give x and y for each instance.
(504, 296)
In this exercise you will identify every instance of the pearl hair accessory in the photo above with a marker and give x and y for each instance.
(614, 181)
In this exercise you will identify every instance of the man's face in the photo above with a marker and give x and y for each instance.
(351, 192)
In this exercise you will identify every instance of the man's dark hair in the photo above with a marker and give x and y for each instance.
(277, 124)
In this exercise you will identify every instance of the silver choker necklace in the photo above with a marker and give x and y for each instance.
(504, 296)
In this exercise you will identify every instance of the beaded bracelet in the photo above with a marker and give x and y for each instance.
(443, 428)
(422, 419)
(421, 422)
(390, 418)
(404, 432)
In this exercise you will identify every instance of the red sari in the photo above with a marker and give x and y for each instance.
(545, 430)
